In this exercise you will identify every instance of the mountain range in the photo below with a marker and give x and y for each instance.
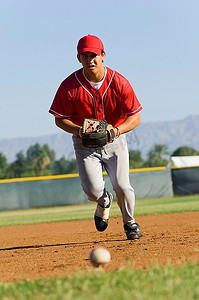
(173, 134)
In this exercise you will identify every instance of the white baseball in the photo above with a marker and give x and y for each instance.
(99, 256)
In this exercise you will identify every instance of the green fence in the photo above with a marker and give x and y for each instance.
(185, 180)
(60, 190)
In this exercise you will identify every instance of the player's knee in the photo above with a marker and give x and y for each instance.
(94, 193)
(122, 190)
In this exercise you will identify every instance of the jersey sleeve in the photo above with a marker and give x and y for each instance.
(130, 103)
(62, 106)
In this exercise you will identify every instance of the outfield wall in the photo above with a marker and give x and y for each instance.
(66, 189)
(185, 180)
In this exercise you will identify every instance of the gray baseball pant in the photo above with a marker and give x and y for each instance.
(115, 159)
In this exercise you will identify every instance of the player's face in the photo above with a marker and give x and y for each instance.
(92, 63)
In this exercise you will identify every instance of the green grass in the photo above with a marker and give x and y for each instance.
(155, 283)
(167, 205)
(85, 211)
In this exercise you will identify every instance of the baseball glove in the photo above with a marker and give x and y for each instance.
(96, 133)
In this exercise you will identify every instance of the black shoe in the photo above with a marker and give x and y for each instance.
(132, 231)
(102, 214)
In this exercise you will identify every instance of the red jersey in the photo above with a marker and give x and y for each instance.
(77, 99)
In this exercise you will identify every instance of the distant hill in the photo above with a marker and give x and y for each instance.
(172, 133)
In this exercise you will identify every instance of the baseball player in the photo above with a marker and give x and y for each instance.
(98, 92)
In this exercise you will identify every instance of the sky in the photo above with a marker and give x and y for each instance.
(153, 43)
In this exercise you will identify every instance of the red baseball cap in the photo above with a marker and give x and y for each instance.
(90, 43)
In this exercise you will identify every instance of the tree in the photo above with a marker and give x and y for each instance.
(3, 166)
(73, 166)
(50, 153)
(161, 150)
(135, 159)
(64, 166)
(185, 151)
(38, 159)
(60, 166)
(20, 164)
(18, 167)
(156, 156)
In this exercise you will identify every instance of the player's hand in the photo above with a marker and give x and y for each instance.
(111, 133)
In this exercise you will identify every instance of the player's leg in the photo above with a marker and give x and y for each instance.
(116, 160)
(89, 165)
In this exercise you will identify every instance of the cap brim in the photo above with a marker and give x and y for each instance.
(93, 50)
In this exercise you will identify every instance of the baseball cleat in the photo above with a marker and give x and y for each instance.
(132, 231)
(102, 214)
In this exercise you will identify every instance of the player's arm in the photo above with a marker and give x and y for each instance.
(67, 125)
(130, 123)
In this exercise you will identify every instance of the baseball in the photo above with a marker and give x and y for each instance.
(99, 257)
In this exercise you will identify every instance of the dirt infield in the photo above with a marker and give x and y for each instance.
(49, 250)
